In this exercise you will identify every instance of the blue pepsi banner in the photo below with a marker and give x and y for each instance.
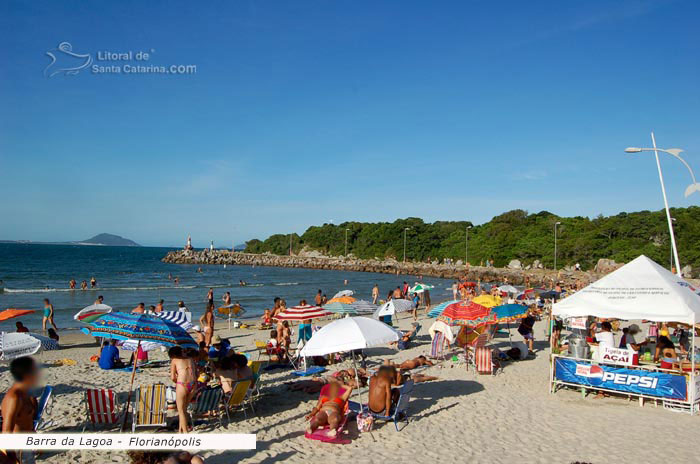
(635, 381)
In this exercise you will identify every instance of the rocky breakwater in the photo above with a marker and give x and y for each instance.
(514, 273)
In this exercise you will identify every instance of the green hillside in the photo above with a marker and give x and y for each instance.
(512, 235)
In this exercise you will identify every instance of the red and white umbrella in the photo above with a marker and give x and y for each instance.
(302, 313)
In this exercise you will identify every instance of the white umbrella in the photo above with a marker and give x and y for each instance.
(392, 307)
(89, 313)
(14, 345)
(350, 333)
(343, 293)
(508, 289)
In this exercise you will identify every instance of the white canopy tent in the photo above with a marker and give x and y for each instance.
(641, 289)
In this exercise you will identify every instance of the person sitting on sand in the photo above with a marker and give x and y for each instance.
(53, 335)
(109, 356)
(20, 327)
(139, 309)
(266, 319)
(243, 370)
(225, 370)
(182, 372)
(329, 410)
(274, 349)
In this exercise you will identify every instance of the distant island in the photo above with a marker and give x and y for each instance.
(102, 239)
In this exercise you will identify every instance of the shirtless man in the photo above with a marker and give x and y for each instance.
(100, 300)
(375, 294)
(226, 298)
(159, 306)
(397, 293)
(139, 309)
(380, 394)
(18, 406)
(207, 322)
(93, 282)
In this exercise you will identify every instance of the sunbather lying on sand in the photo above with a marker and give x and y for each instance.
(344, 376)
(330, 409)
(401, 374)
(411, 363)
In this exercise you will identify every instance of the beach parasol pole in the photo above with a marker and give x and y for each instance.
(131, 386)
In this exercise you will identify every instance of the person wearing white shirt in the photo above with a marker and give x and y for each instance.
(605, 337)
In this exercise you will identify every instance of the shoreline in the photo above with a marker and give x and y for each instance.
(535, 277)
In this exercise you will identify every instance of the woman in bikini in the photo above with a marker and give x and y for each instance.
(330, 409)
(182, 372)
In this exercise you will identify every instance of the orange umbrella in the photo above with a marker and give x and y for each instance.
(10, 313)
(342, 299)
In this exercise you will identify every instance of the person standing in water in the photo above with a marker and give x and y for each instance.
(375, 294)
(48, 315)
(93, 282)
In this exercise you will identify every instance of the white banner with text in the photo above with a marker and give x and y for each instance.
(124, 441)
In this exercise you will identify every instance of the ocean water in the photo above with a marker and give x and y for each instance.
(129, 275)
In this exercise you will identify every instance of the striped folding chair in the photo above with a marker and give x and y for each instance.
(483, 360)
(150, 407)
(208, 401)
(102, 407)
(473, 346)
(239, 398)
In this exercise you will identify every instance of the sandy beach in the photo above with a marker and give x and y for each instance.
(504, 418)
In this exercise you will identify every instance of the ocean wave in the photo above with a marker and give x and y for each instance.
(283, 284)
(99, 289)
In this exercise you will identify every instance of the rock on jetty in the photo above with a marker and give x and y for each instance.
(512, 275)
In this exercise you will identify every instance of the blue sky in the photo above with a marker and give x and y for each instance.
(302, 112)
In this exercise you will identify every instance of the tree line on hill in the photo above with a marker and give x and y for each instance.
(511, 235)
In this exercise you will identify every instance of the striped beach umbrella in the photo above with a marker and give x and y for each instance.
(438, 309)
(467, 313)
(302, 313)
(363, 307)
(420, 288)
(181, 318)
(92, 312)
(341, 308)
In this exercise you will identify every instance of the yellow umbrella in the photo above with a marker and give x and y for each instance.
(342, 299)
(488, 300)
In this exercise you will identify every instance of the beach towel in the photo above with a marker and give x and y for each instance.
(437, 345)
(309, 371)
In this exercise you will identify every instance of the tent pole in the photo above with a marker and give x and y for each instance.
(131, 385)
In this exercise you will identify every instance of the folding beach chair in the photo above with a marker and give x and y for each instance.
(102, 407)
(483, 358)
(44, 408)
(321, 434)
(150, 407)
(239, 398)
(472, 347)
(208, 401)
(437, 346)
(261, 348)
(256, 367)
(401, 345)
(400, 411)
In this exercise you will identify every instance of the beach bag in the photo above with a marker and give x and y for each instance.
(364, 422)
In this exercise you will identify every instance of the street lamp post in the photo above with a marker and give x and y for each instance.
(466, 245)
(555, 244)
(404, 243)
(346, 242)
(694, 187)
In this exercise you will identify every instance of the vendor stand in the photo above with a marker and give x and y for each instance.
(640, 290)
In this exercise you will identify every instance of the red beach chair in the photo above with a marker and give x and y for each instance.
(102, 407)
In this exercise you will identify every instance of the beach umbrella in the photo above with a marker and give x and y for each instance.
(349, 334)
(233, 309)
(467, 285)
(341, 308)
(343, 293)
(92, 312)
(47, 344)
(342, 299)
(420, 288)
(14, 345)
(508, 289)
(302, 313)
(509, 312)
(438, 309)
(12, 312)
(142, 328)
(467, 313)
(181, 318)
(363, 307)
(393, 306)
(487, 300)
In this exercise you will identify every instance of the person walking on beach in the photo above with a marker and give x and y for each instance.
(48, 315)
(182, 372)
(455, 290)
(207, 322)
(375, 294)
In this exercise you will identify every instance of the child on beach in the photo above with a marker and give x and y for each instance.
(19, 407)
(266, 319)
(182, 372)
